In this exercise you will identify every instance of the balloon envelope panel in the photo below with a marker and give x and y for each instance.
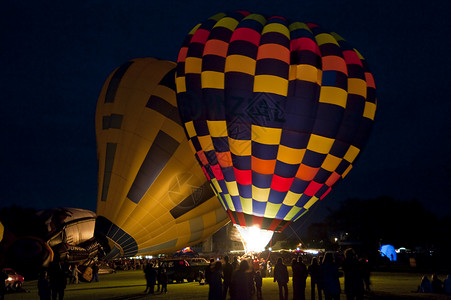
(276, 112)
(152, 195)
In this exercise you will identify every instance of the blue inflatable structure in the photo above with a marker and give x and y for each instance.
(388, 251)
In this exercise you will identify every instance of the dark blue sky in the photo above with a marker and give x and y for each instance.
(56, 55)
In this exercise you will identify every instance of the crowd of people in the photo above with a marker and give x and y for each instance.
(155, 276)
(435, 285)
(52, 282)
(243, 279)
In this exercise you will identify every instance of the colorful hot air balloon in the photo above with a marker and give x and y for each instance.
(152, 197)
(275, 111)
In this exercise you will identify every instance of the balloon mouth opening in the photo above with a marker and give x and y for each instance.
(254, 238)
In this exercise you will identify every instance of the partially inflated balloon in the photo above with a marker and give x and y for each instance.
(152, 196)
(275, 111)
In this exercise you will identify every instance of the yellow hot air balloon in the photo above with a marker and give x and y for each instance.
(152, 196)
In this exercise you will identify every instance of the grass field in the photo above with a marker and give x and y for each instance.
(131, 284)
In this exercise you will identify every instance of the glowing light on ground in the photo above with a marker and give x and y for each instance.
(254, 238)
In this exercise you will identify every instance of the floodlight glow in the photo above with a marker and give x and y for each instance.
(254, 238)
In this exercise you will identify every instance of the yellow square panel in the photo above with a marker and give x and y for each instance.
(346, 171)
(206, 143)
(357, 86)
(217, 128)
(180, 84)
(240, 63)
(190, 129)
(229, 202)
(306, 73)
(300, 216)
(195, 28)
(292, 213)
(193, 65)
(215, 183)
(298, 25)
(333, 95)
(276, 27)
(325, 38)
(289, 155)
(271, 84)
(320, 144)
(266, 135)
(291, 198)
(310, 202)
(259, 194)
(227, 22)
(259, 18)
(232, 187)
(351, 154)
(369, 110)
(246, 204)
(190, 143)
(212, 79)
(271, 210)
(222, 201)
(331, 163)
(240, 147)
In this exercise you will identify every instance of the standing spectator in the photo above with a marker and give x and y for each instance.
(235, 263)
(437, 285)
(250, 276)
(269, 268)
(299, 278)
(354, 287)
(151, 278)
(215, 282)
(263, 267)
(159, 278)
(227, 272)
(258, 284)
(425, 285)
(95, 272)
(3, 277)
(239, 287)
(447, 285)
(295, 269)
(281, 276)
(75, 272)
(58, 280)
(315, 278)
(208, 270)
(43, 286)
(330, 277)
(163, 281)
(366, 269)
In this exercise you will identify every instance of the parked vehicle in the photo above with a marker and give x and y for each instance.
(179, 270)
(198, 261)
(14, 280)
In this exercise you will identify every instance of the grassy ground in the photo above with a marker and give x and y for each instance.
(131, 284)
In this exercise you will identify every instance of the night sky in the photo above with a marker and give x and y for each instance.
(56, 55)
